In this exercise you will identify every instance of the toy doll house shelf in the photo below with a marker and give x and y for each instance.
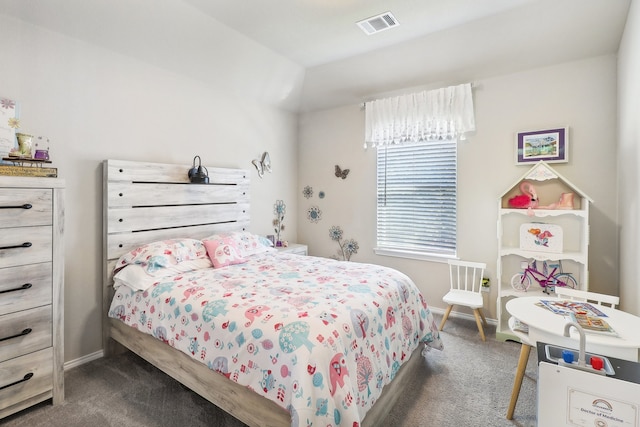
(539, 207)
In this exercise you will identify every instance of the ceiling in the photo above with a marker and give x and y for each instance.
(438, 42)
(316, 32)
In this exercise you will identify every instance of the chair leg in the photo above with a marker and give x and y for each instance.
(477, 313)
(446, 314)
(484, 320)
(517, 381)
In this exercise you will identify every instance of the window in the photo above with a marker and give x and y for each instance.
(417, 199)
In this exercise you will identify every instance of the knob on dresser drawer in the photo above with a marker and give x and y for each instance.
(23, 245)
(25, 206)
(26, 331)
(19, 288)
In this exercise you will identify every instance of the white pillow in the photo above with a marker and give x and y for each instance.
(136, 277)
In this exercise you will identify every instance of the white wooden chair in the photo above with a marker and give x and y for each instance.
(526, 344)
(585, 296)
(466, 287)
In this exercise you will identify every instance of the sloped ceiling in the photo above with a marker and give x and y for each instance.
(437, 42)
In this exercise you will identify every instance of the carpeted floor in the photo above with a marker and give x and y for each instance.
(467, 384)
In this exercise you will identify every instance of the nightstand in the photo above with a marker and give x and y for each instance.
(294, 248)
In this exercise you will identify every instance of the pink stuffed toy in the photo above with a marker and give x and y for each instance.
(528, 198)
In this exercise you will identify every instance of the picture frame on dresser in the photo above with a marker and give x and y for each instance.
(31, 292)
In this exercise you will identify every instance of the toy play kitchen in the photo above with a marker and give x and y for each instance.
(576, 388)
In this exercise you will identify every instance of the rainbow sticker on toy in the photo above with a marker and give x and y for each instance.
(541, 237)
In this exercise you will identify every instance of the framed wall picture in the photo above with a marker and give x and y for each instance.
(551, 145)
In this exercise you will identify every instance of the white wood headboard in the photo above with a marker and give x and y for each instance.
(146, 202)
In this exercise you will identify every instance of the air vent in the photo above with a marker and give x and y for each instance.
(378, 23)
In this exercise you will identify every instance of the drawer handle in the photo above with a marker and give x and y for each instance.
(27, 377)
(23, 245)
(21, 288)
(21, 334)
(25, 206)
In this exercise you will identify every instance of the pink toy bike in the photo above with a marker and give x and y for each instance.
(547, 280)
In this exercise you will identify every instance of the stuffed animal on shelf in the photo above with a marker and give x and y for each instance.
(528, 198)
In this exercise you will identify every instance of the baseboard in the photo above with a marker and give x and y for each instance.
(84, 359)
(461, 315)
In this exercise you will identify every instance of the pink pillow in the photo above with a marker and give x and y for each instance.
(223, 252)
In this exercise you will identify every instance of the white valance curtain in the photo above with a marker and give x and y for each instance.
(433, 115)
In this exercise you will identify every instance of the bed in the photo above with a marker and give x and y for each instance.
(274, 339)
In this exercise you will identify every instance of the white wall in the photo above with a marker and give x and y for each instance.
(95, 104)
(580, 95)
(628, 160)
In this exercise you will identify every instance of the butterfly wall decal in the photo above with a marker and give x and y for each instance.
(262, 165)
(341, 173)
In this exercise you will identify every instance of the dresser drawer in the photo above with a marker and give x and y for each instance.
(25, 377)
(15, 210)
(25, 287)
(25, 332)
(25, 245)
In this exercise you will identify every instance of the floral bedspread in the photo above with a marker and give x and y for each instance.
(317, 336)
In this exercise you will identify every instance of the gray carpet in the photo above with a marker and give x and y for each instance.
(467, 384)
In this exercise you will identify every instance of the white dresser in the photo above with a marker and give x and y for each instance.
(31, 292)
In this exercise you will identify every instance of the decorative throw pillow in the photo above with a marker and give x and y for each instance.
(162, 254)
(246, 243)
(223, 252)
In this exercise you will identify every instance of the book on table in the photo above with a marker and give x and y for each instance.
(590, 318)
(565, 308)
(592, 324)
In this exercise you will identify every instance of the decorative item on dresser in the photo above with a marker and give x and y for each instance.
(31, 292)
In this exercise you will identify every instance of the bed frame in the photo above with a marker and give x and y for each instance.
(146, 202)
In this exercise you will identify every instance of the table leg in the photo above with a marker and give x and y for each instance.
(517, 382)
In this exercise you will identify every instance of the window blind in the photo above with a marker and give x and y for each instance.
(417, 197)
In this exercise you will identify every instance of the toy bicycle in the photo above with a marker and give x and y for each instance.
(522, 281)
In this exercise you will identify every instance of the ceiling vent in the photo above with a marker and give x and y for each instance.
(378, 23)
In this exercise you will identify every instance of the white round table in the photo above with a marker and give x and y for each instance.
(547, 326)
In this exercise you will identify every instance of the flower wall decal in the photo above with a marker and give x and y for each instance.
(7, 104)
(279, 209)
(347, 247)
(308, 192)
(335, 233)
(13, 123)
(314, 214)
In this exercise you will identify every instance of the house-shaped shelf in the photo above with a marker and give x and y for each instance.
(549, 186)
(513, 223)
